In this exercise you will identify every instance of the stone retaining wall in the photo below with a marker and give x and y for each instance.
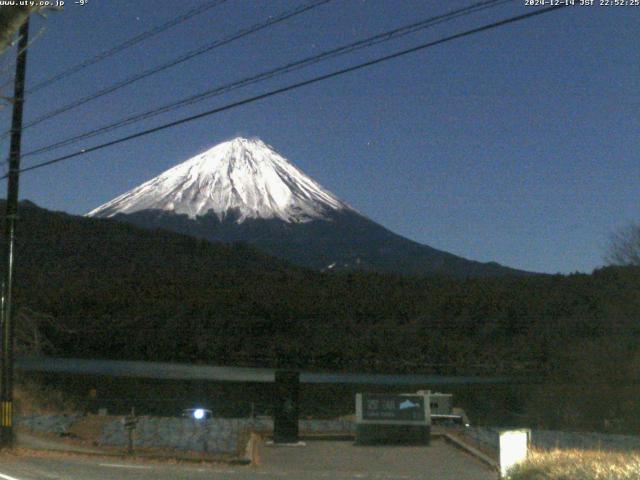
(215, 435)
(58, 424)
(225, 435)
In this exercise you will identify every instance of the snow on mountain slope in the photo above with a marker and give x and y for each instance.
(243, 177)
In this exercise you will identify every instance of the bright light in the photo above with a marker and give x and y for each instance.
(513, 449)
(198, 413)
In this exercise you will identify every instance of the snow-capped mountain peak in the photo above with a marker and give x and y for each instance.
(243, 177)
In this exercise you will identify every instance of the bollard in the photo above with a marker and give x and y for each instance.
(130, 424)
(514, 445)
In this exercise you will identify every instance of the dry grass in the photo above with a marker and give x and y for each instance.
(578, 465)
(33, 397)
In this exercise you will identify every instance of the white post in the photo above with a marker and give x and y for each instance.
(514, 445)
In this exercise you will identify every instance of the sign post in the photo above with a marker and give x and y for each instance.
(287, 410)
(130, 424)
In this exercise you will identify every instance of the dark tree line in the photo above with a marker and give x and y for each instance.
(115, 291)
(101, 289)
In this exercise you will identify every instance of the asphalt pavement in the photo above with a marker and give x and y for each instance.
(315, 460)
(344, 460)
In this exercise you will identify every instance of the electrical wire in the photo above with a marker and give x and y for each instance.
(294, 86)
(126, 44)
(177, 61)
(290, 67)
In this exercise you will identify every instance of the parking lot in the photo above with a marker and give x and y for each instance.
(343, 459)
(317, 459)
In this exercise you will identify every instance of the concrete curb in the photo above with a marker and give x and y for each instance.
(32, 442)
(134, 456)
(67, 449)
(471, 450)
(250, 456)
(328, 436)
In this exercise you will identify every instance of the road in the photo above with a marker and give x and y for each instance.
(316, 460)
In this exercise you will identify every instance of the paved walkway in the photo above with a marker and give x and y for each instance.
(344, 460)
(339, 460)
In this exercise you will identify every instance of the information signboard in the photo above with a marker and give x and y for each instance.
(388, 418)
(393, 407)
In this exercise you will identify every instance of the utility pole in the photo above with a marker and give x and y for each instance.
(13, 178)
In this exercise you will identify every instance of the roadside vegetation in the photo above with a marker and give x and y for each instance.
(35, 396)
(578, 465)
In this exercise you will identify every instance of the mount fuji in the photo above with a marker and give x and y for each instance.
(243, 190)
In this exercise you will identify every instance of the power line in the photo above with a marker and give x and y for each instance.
(294, 86)
(126, 44)
(290, 67)
(183, 58)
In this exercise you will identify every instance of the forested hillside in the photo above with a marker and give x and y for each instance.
(121, 292)
(102, 289)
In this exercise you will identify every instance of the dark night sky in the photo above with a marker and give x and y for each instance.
(518, 145)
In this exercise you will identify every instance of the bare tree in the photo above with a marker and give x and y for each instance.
(30, 339)
(624, 248)
(11, 19)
